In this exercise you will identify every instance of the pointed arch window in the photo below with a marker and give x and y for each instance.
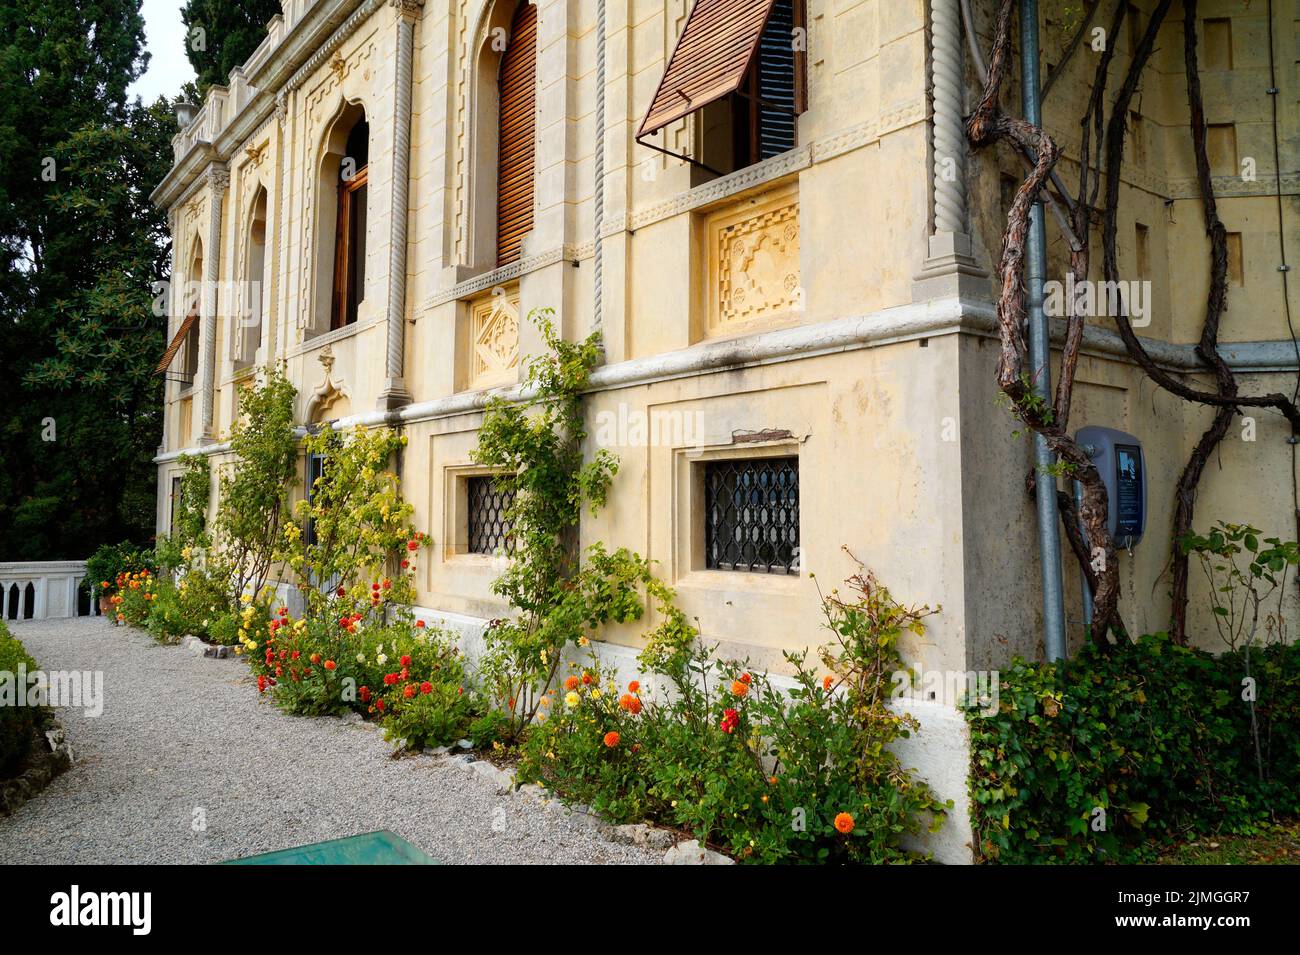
(349, 286)
(250, 323)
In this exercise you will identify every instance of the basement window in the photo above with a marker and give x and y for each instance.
(175, 504)
(315, 473)
(489, 529)
(751, 515)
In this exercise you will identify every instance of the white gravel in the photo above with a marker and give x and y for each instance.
(181, 733)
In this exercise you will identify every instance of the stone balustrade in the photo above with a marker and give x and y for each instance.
(44, 590)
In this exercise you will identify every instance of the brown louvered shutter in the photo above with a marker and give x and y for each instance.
(516, 133)
(177, 340)
(710, 59)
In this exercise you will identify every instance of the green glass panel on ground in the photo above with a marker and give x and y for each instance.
(371, 848)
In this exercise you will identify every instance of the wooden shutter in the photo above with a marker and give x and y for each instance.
(516, 131)
(710, 59)
(775, 76)
(170, 354)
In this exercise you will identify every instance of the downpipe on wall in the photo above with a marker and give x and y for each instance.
(1049, 530)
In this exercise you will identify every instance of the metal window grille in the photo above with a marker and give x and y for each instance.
(751, 513)
(175, 504)
(315, 471)
(489, 529)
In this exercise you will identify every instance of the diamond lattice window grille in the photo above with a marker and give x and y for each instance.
(751, 515)
(489, 529)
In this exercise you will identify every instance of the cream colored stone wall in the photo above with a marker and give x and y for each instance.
(1247, 480)
(886, 390)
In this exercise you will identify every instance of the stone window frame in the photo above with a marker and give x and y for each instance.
(689, 559)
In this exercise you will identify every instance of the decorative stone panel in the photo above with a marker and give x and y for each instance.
(753, 261)
(494, 338)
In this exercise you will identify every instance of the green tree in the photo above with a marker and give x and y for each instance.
(221, 35)
(79, 411)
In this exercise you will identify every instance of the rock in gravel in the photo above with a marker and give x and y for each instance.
(181, 732)
(502, 779)
(692, 853)
(640, 834)
(533, 791)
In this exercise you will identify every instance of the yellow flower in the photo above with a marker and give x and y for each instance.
(595, 694)
(246, 598)
(571, 699)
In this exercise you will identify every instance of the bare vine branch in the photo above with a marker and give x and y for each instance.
(988, 124)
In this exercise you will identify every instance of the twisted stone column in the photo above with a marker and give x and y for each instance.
(949, 138)
(949, 268)
(598, 197)
(395, 393)
(218, 177)
(272, 319)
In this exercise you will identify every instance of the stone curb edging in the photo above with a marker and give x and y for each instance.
(52, 757)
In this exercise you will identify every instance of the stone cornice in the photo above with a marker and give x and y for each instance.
(309, 43)
(951, 316)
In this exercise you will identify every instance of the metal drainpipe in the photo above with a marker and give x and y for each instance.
(1049, 532)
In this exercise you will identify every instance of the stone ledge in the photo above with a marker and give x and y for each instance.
(50, 756)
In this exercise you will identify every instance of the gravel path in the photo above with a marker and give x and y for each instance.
(181, 732)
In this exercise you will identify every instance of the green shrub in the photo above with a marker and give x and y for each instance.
(428, 713)
(770, 775)
(111, 561)
(1119, 751)
(165, 619)
(17, 723)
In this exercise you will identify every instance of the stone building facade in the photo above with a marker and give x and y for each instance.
(804, 302)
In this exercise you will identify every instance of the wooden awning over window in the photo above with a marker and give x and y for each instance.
(710, 59)
(177, 340)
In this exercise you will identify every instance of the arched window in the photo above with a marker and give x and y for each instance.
(516, 128)
(250, 322)
(339, 256)
(349, 287)
(193, 300)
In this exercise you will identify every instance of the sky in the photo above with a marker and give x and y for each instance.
(165, 40)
